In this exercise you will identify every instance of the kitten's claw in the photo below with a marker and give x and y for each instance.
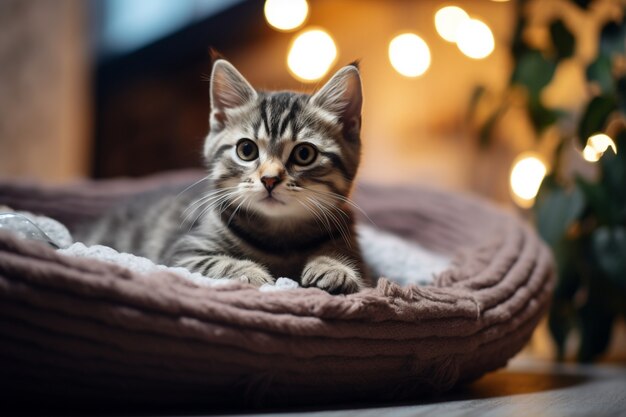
(229, 268)
(251, 273)
(331, 275)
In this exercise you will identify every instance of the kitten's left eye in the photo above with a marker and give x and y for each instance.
(247, 150)
(304, 154)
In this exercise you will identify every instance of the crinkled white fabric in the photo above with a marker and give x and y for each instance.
(386, 255)
(134, 263)
(397, 259)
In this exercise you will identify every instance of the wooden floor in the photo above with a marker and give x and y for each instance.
(526, 388)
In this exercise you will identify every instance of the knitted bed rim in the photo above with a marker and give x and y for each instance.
(77, 329)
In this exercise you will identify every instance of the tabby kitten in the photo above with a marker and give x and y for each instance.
(280, 169)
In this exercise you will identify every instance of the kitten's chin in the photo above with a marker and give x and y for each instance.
(279, 207)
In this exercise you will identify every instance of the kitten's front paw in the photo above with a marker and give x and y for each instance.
(331, 275)
(251, 273)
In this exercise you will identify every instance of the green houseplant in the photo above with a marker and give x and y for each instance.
(580, 213)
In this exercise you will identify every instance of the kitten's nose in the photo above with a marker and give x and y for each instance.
(270, 182)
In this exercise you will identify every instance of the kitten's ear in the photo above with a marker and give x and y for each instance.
(229, 89)
(342, 96)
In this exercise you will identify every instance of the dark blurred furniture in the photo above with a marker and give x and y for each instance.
(152, 105)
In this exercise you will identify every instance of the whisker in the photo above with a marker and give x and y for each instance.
(248, 210)
(235, 211)
(343, 199)
(220, 205)
(342, 220)
(217, 191)
(200, 207)
(208, 197)
(218, 201)
(338, 222)
(318, 219)
(192, 185)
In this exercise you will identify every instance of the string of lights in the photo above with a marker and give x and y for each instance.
(313, 51)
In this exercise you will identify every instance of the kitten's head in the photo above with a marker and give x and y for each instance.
(283, 153)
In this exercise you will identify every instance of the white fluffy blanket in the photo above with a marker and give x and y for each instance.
(386, 254)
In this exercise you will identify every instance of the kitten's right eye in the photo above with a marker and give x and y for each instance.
(247, 150)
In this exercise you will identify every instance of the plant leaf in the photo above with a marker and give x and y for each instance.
(621, 93)
(598, 198)
(595, 116)
(562, 39)
(555, 210)
(609, 248)
(560, 324)
(533, 71)
(595, 322)
(600, 71)
(612, 38)
(541, 116)
(614, 177)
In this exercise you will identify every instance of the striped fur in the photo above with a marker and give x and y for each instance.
(238, 228)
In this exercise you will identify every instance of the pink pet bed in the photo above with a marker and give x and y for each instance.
(77, 330)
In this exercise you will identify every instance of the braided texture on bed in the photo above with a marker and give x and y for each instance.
(80, 330)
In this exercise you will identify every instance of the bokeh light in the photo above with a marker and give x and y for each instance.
(409, 55)
(526, 177)
(596, 146)
(448, 20)
(286, 15)
(474, 39)
(590, 154)
(311, 55)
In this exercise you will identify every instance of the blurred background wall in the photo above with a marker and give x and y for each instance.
(147, 105)
(45, 102)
